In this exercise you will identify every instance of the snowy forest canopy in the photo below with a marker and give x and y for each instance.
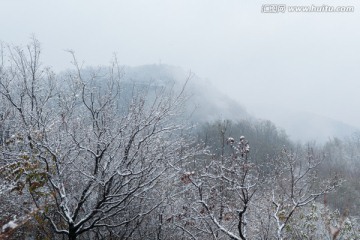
(87, 155)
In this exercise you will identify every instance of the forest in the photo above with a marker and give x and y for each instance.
(85, 154)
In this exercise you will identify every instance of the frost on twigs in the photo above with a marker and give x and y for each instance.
(230, 141)
(222, 191)
(242, 149)
(8, 226)
(96, 153)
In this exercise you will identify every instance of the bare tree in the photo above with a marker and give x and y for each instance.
(233, 197)
(222, 190)
(90, 152)
(296, 185)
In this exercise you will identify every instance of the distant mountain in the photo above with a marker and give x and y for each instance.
(206, 103)
(304, 126)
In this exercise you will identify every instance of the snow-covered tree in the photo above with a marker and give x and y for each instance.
(221, 190)
(294, 186)
(91, 153)
(234, 196)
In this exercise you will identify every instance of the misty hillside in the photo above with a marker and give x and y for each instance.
(208, 104)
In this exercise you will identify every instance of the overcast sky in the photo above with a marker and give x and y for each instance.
(303, 61)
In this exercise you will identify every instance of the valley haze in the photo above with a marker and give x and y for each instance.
(277, 66)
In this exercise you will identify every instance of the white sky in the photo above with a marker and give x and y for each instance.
(304, 61)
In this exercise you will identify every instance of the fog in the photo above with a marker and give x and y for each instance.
(278, 62)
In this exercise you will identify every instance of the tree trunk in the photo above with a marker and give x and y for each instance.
(72, 234)
(241, 216)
